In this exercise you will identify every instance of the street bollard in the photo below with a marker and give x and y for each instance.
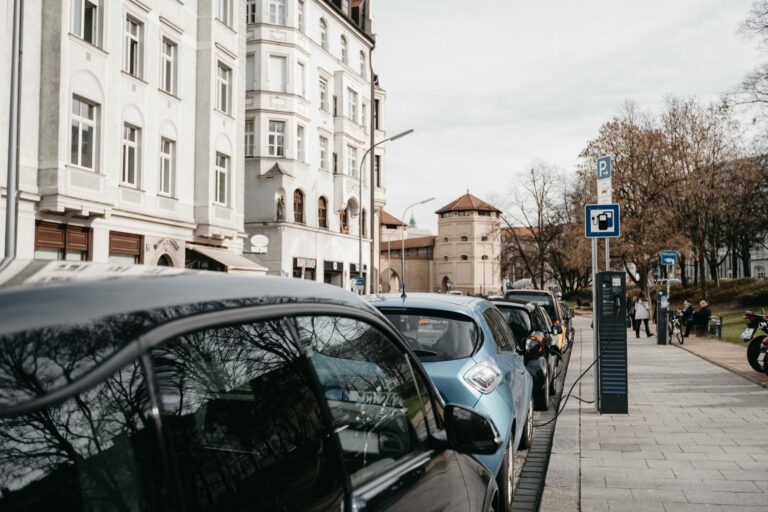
(661, 319)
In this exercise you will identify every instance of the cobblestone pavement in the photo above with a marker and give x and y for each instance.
(696, 438)
(728, 355)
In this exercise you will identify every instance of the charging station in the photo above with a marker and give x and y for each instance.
(611, 327)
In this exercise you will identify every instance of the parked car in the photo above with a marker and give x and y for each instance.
(211, 392)
(530, 324)
(550, 305)
(471, 355)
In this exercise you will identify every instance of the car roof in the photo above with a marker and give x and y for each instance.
(96, 292)
(437, 301)
(502, 303)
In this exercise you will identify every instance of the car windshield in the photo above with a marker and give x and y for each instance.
(436, 338)
(518, 319)
(544, 300)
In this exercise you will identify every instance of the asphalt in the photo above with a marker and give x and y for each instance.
(695, 438)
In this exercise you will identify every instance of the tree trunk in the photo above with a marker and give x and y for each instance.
(702, 275)
(746, 259)
(734, 262)
(683, 276)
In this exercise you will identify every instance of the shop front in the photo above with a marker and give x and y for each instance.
(305, 268)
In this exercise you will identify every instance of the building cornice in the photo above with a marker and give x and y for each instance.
(168, 23)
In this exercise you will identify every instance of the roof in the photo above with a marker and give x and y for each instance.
(274, 171)
(409, 243)
(41, 294)
(436, 301)
(387, 219)
(468, 202)
(520, 231)
(232, 261)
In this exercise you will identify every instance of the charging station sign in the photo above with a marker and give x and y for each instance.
(602, 221)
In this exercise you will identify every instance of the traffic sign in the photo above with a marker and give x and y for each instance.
(360, 281)
(602, 221)
(604, 168)
(668, 257)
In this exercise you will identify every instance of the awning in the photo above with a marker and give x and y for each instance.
(232, 261)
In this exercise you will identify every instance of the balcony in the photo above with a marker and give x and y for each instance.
(71, 189)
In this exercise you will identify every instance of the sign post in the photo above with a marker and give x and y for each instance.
(605, 195)
(668, 258)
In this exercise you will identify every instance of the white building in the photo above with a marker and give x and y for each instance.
(131, 136)
(307, 127)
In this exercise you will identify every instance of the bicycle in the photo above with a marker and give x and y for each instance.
(675, 328)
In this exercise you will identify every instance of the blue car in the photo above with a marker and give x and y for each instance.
(473, 359)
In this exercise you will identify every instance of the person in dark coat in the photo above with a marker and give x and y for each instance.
(699, 318)
(686, 314)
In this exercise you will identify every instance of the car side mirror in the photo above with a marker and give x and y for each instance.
(557, 329)
(470, 431)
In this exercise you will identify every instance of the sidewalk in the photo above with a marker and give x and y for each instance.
(727, 355)
(696, 438)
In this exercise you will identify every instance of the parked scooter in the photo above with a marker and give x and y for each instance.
(757, 351)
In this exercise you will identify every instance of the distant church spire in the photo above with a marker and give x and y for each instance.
(412, 223)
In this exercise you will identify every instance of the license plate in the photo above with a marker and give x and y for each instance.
(747, 333)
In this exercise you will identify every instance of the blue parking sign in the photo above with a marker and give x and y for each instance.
(602, 221)
(604, 168)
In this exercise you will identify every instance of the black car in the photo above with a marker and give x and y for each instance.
(203, 392)
(550, 304)
(533, 329)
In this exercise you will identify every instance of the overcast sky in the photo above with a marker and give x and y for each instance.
(491, 85)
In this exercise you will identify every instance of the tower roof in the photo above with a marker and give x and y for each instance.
(387, 219)
(468, 202)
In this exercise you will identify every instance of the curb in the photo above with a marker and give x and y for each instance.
(530, 485)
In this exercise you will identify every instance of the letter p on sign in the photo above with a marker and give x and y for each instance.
(604, 168)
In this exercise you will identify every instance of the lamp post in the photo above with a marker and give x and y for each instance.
(360, 210)
(402, 244)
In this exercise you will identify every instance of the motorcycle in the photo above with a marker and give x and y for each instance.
(757, 350)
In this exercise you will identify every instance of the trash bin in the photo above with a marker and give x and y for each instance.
(716, 326)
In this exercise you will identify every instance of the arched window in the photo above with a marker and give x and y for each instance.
(464, 238)
(164, 261)
(344, 53)
(760, 272)
(363, 64)
(344, 221)
(322, 213)
(464, 257)
(323, 33)
(298, 206)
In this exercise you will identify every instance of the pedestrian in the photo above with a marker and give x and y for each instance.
(642, 314)
(700, 318)
(630, 313)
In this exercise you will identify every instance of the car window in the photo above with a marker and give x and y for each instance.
(502, 335)
(518, 319)
(544, 300)
(436, 337)
(244, 415)
(95, 451)
(371, 392)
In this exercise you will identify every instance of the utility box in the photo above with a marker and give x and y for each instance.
(611, 328)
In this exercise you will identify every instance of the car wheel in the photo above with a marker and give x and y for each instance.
(506, 478)
(753, 352)
(541, 397)
(525, 440)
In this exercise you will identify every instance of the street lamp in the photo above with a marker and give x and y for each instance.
(368, 284)
(402, 244)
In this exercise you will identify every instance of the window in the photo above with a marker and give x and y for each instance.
(83, 143)
(376, 116)
(250, 72)
(276, 138)
(300, 143)
(364, 116)
(377, 170)
(363, 221)
(335, 162)
(167, 166)
(298, 206)
(760, 272)
(62, 242)
(250, 138)
(301, 79)
(134, 46)
(86, 20)
(352, 105)
(300, 15)
(323, 153)
(335, 105)
(363, 64)
(277, 73)
(352, 161)
(322, 213)
(125, 248)
(323, 33)
(277, 12)
(324, 94)
(241, 407)
(355, 363)
(344, 50)
(168, 71)
(223, 88)
(344, 221)
(450, 336)
(503, 337)
(464, 257)
(464, 238)
(130, 174)
(280, 207)
(222, 170)
(252, 11)
(224, 13)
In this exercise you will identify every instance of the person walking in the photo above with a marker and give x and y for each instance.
(630, 313)
(642, 314)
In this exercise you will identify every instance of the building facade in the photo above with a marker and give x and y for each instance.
(464, 256)
(309, 117)
(131, 131)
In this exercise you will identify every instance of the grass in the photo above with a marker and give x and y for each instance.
(733, 321)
